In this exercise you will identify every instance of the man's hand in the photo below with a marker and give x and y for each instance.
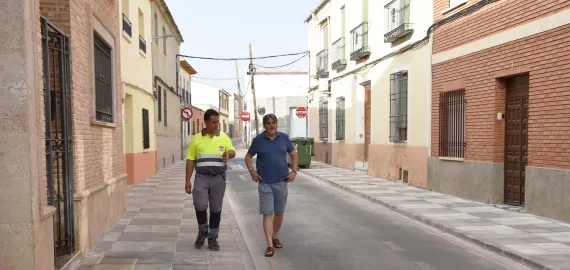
(291, 177)
(255, 177)
(188, 187)
(225, 157)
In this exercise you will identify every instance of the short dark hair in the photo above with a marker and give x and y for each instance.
(209, 113)
(269, 116)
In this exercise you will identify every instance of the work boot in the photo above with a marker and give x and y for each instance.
(201, 239)
(213, 244)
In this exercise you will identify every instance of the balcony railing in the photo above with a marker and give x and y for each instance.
(142, 44)
(339, 51)
(322, 63)
(127, 26)
(359, 42)
(398, 20)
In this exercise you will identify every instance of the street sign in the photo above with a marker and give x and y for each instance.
(186, 113)
(301, 112)
(245, 116)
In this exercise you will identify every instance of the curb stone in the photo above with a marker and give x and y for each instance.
(440, 226)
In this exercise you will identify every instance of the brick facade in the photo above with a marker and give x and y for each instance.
(494, 18)
(98, 148)
(544, 56)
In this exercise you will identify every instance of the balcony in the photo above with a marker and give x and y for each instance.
(127, 26)
(142, 44)
(398, 14)
(359, 42)
(322, 64)
(339, 50)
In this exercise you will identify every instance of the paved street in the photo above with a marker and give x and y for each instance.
(158, 230)
(327, 228)
(538, 241)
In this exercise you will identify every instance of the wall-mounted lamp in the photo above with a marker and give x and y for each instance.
(500, 116)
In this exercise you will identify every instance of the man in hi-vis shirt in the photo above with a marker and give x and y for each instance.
(208, 153)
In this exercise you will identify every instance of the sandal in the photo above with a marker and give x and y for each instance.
(277, 243)
(269, 252)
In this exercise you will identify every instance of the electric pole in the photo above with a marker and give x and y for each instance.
(253, 90)
(240, 104)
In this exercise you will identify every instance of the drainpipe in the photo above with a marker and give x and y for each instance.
(429, 97)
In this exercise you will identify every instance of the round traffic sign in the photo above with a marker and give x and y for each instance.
(186, 113)
(301, 112)
(245, 116)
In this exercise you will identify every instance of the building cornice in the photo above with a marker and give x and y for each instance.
(169, 18)
(316, 10)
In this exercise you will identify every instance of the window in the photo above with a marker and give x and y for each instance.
(142, 41)
(452, 124)
(164, 40)
(398, 20)
(156, 27)
(340, 114)
(127, 26)
(146, 129)
(159, 104)
(103, 81)
(165, 108)
(399, 106)
(323, 119)
(188, 128)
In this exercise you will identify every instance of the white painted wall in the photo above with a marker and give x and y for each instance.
(205, 94)
(288, 91)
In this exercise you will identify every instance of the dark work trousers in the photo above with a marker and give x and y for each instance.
(209, 190)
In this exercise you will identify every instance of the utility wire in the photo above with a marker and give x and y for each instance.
(244, 58)
(215, 79)
(297, 60)
(268, 74)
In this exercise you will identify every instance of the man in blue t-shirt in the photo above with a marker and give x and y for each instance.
(272, 176)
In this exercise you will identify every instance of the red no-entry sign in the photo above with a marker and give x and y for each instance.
(245, 116)
(301, 112)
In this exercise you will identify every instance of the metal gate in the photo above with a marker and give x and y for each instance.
(59, 143)
(516, 139)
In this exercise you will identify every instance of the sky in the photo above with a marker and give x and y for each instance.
(225, 28)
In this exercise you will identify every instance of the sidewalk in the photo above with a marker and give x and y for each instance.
(538, 242)
(158, 230)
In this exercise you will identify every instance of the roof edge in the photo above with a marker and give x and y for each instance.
(164, 8)
(316, 10)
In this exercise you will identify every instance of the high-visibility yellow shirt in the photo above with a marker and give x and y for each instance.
(207, 152)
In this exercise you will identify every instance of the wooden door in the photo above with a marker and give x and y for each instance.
(516, 139)
(367, 108)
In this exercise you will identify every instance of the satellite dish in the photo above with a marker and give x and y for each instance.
(261, 109)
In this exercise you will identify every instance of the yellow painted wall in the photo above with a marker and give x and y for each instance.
(416, 62)
(136, 74)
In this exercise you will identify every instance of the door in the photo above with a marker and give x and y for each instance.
(367, 108)
(516, 139)
(58, 135)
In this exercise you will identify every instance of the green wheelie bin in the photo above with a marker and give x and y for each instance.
(304, 151)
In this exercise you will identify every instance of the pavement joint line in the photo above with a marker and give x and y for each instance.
(441, 226)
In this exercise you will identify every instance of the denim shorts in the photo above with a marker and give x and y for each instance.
(272, 197)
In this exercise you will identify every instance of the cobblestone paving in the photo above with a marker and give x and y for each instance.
(534, 240)
(158, 230)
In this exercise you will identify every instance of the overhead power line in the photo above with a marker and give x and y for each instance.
(216, 79)
(297, 60)
(243, 58)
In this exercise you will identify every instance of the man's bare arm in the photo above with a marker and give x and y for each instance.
(249, 162)
(295, 159)
(231, 154)
(189, 169)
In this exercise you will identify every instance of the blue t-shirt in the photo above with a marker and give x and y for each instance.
(271, 156)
